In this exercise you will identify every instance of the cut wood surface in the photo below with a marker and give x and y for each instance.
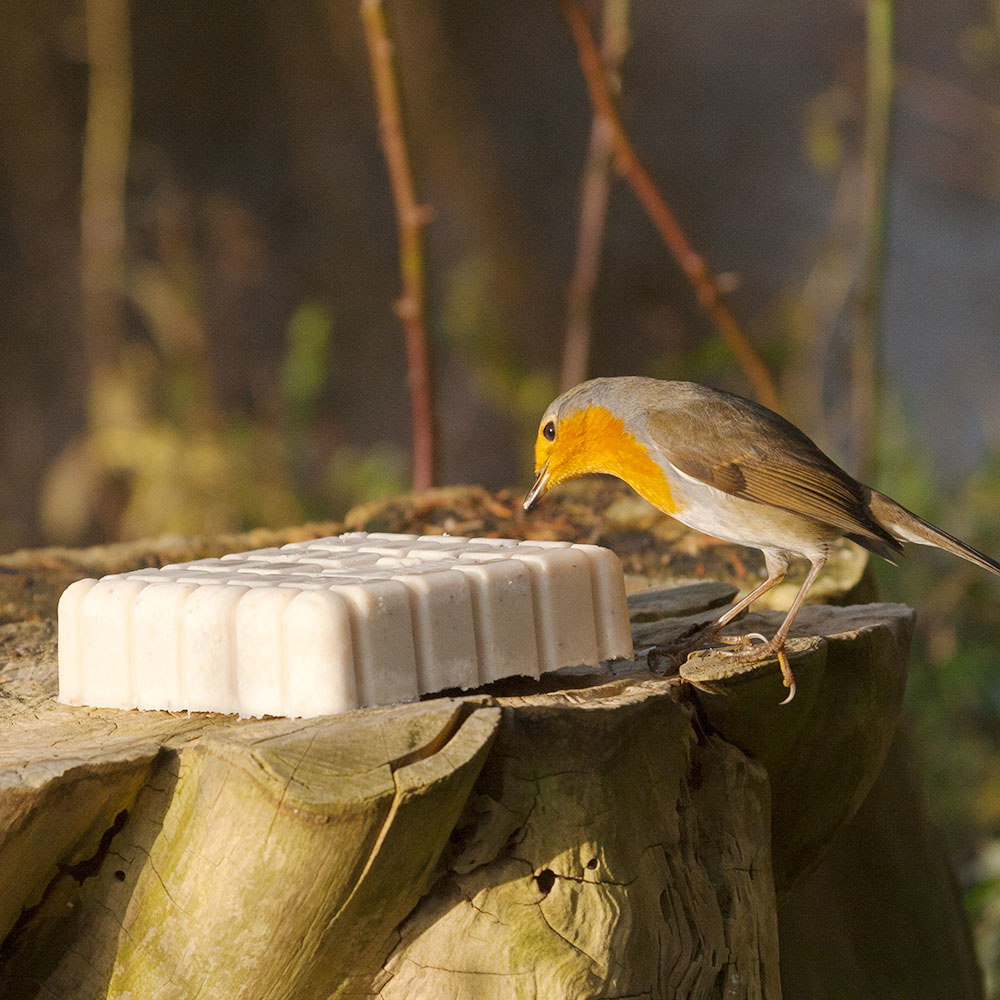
(593, 834)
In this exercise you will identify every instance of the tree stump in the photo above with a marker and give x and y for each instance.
(572, 843)
(594, 834)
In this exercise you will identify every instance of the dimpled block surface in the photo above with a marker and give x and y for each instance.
(334, 624)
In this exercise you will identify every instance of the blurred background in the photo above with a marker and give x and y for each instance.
(198, 270)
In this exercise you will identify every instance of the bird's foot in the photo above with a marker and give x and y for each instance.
(755, 646)
(749, 647)
(669, 658)
(665, 659)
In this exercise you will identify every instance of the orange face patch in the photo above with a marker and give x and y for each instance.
(595, 440)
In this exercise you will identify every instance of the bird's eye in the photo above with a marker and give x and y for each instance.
(549, 431)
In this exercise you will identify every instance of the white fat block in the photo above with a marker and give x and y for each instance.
(157, 657)
(261, 672)
(208, 648)
(560, 586)
(429, 552)
(281, 569)
(504, 618)
(106, 666)
(147, 575)
(319, 654)
(385, 664)
(613, 631)
(334, 624)
(70, 641)
(444, 632)
(328, 561)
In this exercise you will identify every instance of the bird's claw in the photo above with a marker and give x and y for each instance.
(787, 677)
(755, 652)
(756, 646)
(663, 653)
(741, 640)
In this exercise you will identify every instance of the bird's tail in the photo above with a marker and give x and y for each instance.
(907, 527)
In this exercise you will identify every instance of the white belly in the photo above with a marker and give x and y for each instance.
(745, 522)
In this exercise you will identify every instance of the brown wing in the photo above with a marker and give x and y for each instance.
(750, 452)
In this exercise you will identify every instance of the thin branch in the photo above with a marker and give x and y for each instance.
(105, 164)
(706, 285)
(864, 361)
(595, 188)
(411, 217)
(826, 293)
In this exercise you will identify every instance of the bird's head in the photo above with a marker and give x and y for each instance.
(592, 428)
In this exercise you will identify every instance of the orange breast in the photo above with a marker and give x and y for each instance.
(595, 440)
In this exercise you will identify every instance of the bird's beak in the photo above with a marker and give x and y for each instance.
(541, 484)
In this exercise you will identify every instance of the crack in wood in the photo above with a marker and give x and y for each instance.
(463, 711)
(284, 791)
(548, 923)
(458, 718)
(79, 872)
(89, 867)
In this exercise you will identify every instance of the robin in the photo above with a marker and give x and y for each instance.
(731, 468)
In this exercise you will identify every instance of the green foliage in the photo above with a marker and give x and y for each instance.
(475, 329)
(304, 370)
(824, 120)
(159, 455)
(145, 468)
(953, 695)
(980, 45)
(709, 362)
(355, 475)
(953, 698)
(904, 462)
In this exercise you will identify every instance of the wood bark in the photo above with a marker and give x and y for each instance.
(607, 853)
(167, 855)
(882, 915)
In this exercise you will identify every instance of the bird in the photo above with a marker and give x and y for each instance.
(731, 468)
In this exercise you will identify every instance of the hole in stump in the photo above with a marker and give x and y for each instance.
(89, 867)
(592, 863)
(120, 875)
(546, 879)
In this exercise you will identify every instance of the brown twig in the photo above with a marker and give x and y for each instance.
(691, 263)
(102, 183)
(825, 293)
(411, 217)
(595, 188)
(875, 155)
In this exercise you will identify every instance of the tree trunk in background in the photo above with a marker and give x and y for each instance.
(39, 251)
(105, 166)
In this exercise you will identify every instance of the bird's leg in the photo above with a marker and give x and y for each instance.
(777, 567)
(775, 646)
(702, 635)
(776, 563)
